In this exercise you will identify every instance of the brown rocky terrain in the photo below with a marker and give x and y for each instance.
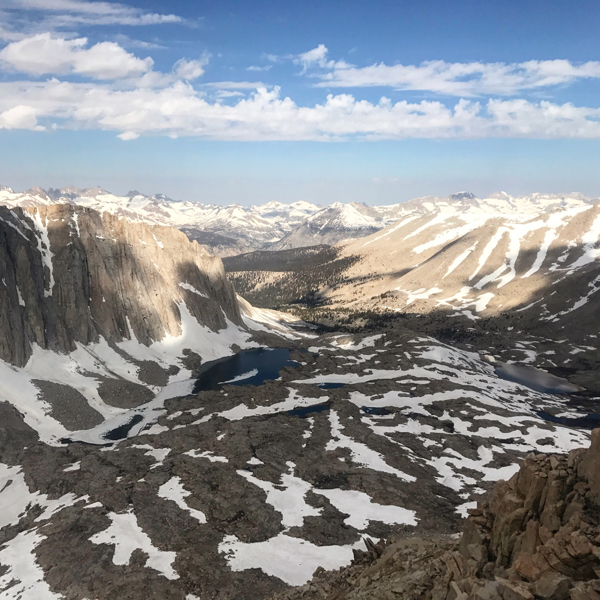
(535, 537)
(244, 490)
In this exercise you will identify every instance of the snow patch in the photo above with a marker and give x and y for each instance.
(362, 509)
(191, 288)
(174, 490)
(291, 559)
(126, 536)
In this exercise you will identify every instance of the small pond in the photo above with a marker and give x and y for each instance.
(249, 367)
(590, 421)
(378, 411)
(540, 381)
(536, 379)
(305, 411)
(121, 432)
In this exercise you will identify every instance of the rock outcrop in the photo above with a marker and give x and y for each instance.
(70, 274)
(537, 537)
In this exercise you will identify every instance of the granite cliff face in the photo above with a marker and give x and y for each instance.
(70, 274)
(536, 537)
(99, 315)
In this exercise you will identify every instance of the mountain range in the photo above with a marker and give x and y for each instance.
(163, 437)
(542, 266)
(534, 261)
(234, 229)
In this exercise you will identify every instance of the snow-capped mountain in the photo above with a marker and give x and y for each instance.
(290, 213)
(223, 229)
(234, 229)
(133, 466)
(333, 224)
(543, 268)
(499, 203)
(532, 260)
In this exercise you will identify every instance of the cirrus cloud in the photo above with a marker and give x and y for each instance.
(445, 78)
(23, 18)
(69, 12)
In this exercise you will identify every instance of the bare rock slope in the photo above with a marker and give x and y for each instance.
(535, 537)
(543, 265)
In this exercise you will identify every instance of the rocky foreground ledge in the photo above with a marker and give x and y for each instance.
(537, 536)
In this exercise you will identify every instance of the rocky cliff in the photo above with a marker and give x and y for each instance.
(536, 537)
(99, 314)
(70, 274)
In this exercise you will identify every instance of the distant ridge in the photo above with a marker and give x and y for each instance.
(235, 229)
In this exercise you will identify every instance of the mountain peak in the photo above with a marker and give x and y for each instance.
(163, 198)
(499, 196)
(36, 190)
(463, 196)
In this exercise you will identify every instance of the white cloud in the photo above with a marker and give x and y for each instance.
(19, 117)
(256, 68)
(318, 57)
(128, 42)
(97, 13)
(128, 135)
(274, 58)
(7, 34)
(191, 69)
(227, 94)
(180, 110)
(452, 79)
(235, 85)
(315, 56)
(44, 54)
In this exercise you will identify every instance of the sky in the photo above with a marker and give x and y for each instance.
(227, 101)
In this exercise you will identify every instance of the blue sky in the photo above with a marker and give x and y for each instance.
(249, 102)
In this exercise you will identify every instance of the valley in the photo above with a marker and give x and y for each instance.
(174, 425)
